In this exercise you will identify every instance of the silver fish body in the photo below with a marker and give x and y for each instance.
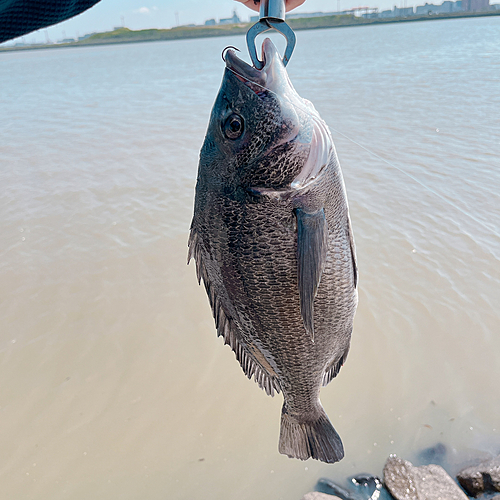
(273, 244)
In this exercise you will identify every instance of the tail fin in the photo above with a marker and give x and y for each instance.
(314, 438)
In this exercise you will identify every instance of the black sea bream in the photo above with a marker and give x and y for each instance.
(273, 243)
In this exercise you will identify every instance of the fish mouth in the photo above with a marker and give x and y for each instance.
(247, 73)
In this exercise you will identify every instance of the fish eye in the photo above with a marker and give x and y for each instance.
(233, 126)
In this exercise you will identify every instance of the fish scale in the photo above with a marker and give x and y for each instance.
(273, 244)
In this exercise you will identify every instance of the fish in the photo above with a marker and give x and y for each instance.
(272, 240)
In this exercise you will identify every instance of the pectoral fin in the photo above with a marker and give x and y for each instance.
(353, 252)
(312, 233)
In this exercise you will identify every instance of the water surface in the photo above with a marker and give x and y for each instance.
(114, 384)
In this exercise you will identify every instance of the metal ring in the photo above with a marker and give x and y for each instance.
(265, 25)
(289, 35)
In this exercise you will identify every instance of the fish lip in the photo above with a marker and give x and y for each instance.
(241, 68)
(250, 73)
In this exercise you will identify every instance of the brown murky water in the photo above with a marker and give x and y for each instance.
(113, 383)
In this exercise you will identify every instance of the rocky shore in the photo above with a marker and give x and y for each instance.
(404, 481)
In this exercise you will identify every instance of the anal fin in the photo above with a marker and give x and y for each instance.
(333, 370)
(312, 245)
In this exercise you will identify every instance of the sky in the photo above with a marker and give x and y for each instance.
(142, 14)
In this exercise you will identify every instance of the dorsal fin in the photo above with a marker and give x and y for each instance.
(312, 234)
(227, 328)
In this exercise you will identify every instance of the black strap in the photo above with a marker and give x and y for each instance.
(19, 17)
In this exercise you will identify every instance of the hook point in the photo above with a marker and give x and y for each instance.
(226, 49)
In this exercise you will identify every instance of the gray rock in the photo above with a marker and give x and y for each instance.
(316, 495)
(367, 481)
(327, 486)
(369, 487)
(482, 478)
(428, 482)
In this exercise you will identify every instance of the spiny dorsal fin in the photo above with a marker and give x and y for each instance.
(226, 327)
(312, 244)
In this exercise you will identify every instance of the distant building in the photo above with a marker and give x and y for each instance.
(445, 8)
(451, 6)
(254, 19)
(475, 5)
(427, 9)
(312, 14)
(408, 11)
(231, 20)
(210, 22)
(396, 12)
(87, 35)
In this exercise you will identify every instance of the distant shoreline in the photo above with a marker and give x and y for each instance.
(124, 35)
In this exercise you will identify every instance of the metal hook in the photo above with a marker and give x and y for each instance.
(226, 49)
(272, 16)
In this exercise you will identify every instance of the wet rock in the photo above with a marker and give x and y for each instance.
(482, 478)
(458, 460)
(316, 495)
(327, 486)
(362, 486)
(370, 487)
(429, 482)
(367, 481)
